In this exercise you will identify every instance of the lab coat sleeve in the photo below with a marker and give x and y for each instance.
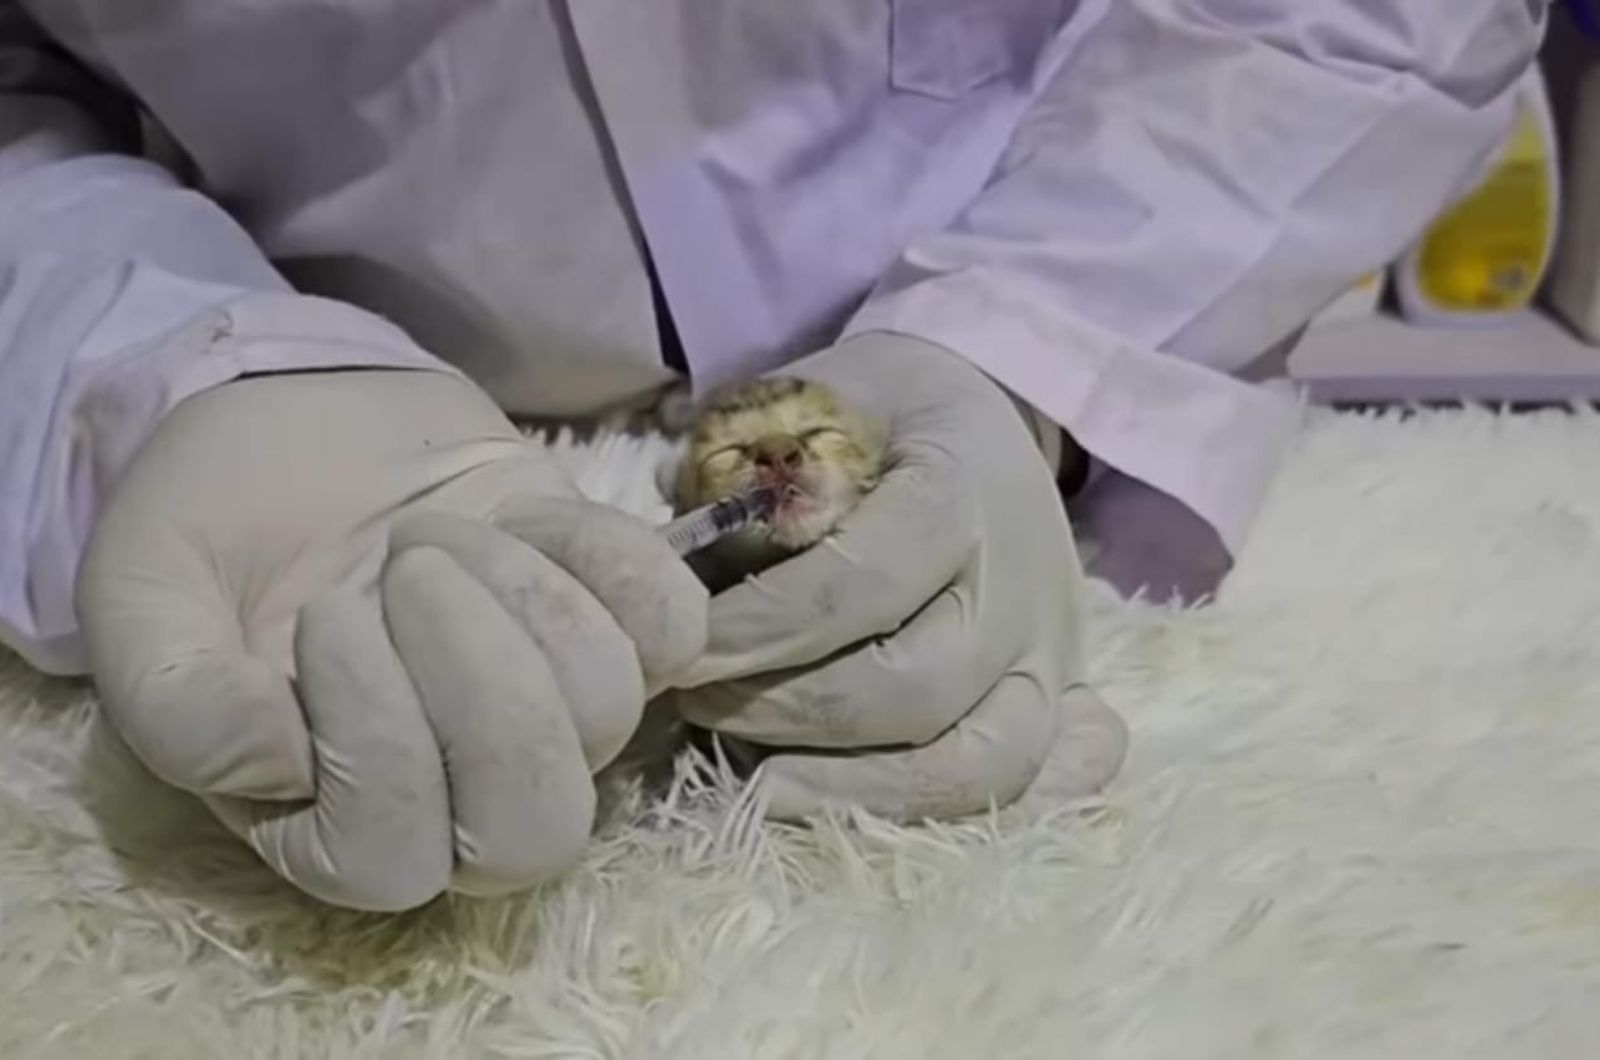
(121, 293)
(1188, 186)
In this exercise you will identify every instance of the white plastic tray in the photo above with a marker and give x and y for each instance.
(1383, 359)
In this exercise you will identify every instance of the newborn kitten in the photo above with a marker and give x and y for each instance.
(793, 434)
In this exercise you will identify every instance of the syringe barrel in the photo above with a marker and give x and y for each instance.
(706, 525)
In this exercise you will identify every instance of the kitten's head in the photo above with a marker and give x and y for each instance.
(793, 434)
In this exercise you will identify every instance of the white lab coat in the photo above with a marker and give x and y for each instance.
(1108, 205)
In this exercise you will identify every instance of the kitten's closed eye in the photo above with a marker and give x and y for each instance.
(727, 452)
(756, 451)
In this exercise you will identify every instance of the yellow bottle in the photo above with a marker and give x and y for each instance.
(1483, 260)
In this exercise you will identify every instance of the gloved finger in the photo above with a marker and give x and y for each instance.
(378, 835)
(906, 540)
(905, 689)
(520, 792)
(1089, 750)
(629, 567)
(593, 660)
(174, 673)
(989, 757)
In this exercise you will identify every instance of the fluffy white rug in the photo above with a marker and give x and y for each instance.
(1358, 821)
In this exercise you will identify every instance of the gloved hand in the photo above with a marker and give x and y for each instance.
(937, 634)
(383, 639)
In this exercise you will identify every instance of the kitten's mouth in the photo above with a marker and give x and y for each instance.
(794, 500)
(801, 515)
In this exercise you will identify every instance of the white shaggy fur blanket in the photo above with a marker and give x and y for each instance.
(1359, 820)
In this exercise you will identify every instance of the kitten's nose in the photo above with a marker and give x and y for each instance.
(778, 451)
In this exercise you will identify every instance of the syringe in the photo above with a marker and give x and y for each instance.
(705, 526)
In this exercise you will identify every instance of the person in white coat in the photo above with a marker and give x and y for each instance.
(275, 278)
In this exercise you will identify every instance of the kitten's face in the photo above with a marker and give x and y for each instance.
(792, 434)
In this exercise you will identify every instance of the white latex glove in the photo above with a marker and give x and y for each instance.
(937, 634)
(377, 632)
